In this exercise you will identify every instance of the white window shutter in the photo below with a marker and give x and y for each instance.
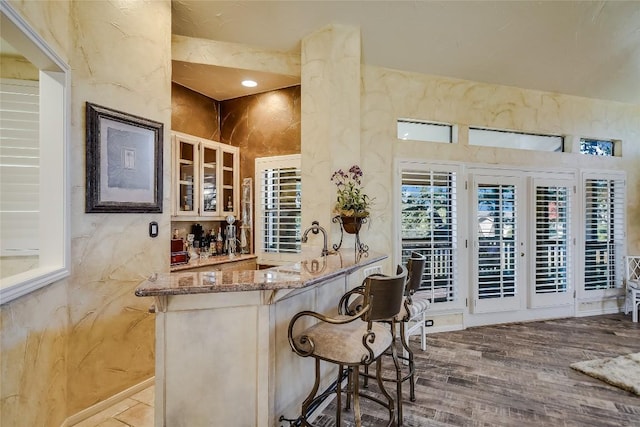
(19, 167)
(429, 227)
(278, 208)
(604, 199)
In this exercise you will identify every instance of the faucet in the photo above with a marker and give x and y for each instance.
(315, 228)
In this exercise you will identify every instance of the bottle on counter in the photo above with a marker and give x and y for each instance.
(212, 242)
(219, 242)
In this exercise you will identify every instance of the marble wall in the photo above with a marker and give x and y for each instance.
(194, 113)
(83, 339)
(391, 94)
(330, 118)
(262, 125)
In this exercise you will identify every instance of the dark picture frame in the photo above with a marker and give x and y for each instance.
(124, 162)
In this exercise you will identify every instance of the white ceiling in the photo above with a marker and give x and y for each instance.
(583, 48)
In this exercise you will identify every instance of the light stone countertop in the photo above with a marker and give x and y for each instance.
(304, 273)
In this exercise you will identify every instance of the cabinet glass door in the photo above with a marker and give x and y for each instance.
(209, 200)
(228, 174)
(186, 177)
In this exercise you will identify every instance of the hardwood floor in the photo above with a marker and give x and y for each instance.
(516, 375)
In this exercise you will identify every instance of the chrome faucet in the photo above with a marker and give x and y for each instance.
(315, 228)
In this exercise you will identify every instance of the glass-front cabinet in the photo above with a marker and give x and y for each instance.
(206, 178)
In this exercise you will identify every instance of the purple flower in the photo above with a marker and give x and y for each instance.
(350, 197)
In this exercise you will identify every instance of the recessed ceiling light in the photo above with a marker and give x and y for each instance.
(249, 83)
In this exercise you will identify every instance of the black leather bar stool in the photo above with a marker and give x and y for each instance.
(351, 342)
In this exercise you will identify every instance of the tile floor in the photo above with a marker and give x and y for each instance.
(135, 411)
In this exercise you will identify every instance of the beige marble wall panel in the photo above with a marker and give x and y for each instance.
(50, 20)
(233, 55)
(34, 328)
(194, 113)
(262, 125)
(33, 343)
(330, 116)
(17, 67)
(391, 94)
(122, 60)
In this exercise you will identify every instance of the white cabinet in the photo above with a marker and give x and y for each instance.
(205, 177)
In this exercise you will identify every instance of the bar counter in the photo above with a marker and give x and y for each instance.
(222, 352)
(294, 276)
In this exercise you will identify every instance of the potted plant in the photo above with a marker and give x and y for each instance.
(352, 204)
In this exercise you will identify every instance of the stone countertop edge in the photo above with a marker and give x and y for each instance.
(211, 261)
(306, 272)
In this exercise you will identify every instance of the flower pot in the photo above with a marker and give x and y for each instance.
(351, 224)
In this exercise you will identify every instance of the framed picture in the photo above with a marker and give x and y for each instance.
(124, 162)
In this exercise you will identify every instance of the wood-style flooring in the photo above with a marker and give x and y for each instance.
(515, 375)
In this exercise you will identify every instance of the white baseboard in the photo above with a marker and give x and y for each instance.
(110, 401)
(599, 311)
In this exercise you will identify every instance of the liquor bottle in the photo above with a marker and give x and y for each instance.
(219, 242)
(229, 204)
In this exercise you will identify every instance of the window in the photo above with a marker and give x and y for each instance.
(424, 131)
(429, 227)
(596, 147)
(512, 139)
(279, 208)
(40, 239)
(604, 232)
(20, 175)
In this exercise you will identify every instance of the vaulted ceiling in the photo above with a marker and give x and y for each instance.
(583, 48)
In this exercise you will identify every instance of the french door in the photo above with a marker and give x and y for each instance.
(551, 245)
(522, 246)
(497, 215)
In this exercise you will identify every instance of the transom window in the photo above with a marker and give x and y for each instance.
(513, 139)
(424, 131)
(597, 147)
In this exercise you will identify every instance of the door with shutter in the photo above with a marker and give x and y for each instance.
(551, 243)
(497, 215)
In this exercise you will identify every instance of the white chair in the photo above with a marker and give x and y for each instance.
(632, 279)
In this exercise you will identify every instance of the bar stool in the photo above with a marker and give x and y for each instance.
(414, 307)
(410, 310)
(352, 342)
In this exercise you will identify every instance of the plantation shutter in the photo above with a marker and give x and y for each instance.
(552, 239)
(604, 232)
(429, 227)
(278, 222)
(19, 166)
(496, 240)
